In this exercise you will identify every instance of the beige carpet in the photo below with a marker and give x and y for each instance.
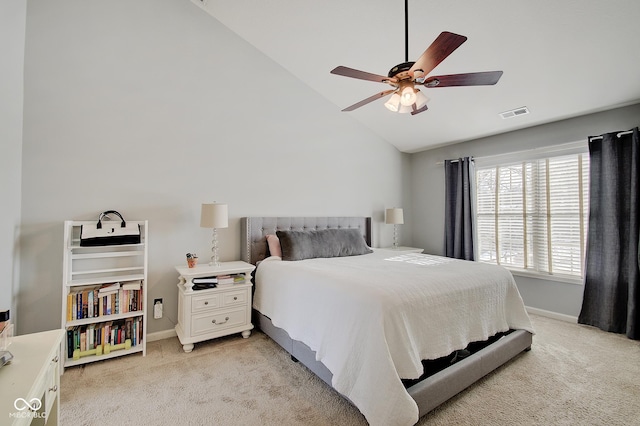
(574, 375)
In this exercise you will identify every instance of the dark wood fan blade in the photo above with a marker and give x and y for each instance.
(487, 78)
(442, 47)
(418, 111)
(369, 99)
(362, 75)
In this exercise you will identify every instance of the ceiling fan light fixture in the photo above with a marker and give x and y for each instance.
(393, 104)
(405, 109)
(408, 96)
(421, 99)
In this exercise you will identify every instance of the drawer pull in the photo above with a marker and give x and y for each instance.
(54, 388)
(206, 303)
(213, 321)
(235, 297)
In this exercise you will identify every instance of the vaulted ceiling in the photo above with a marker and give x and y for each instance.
(560, 59)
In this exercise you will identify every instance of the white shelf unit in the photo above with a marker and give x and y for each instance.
(91, 267)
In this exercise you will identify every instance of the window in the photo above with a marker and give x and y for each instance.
(532, 214)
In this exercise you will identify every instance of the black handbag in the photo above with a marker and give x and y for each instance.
(109, 233)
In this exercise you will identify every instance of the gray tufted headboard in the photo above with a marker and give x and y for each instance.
(255, 230)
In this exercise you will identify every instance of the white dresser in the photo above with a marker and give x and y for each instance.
(30, 383)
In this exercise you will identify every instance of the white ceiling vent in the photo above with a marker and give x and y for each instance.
(514, 112)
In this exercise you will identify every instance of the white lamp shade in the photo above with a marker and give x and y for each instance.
(393, 103)
(394, 216)
(421, 99)
(214, 216)
(408, 96)
(405, 109)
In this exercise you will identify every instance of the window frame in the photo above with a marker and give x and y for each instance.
(507, 159)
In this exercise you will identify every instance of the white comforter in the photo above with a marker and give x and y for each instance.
(371, 319)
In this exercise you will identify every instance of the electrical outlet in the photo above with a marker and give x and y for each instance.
(157, 308)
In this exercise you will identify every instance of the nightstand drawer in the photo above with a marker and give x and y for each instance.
(234, 298)
(208, 323)
(206, 301)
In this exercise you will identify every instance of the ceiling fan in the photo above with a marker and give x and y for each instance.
(405, 78)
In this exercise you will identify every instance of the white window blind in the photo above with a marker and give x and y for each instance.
(532, 215)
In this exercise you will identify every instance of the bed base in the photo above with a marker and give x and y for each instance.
(433, 390)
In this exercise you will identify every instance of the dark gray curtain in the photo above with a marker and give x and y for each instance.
(459, 215)
(611, 290)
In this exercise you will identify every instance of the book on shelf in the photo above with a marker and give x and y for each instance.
(205, 280)
(231, 279)
(109, 288)
(205, 286)
(88, 337)
(225, 279)
(132, 285)
(87, 302)
(80, 302)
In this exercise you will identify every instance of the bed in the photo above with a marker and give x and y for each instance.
(356, 323)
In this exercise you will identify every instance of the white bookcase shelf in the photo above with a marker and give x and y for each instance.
(90, 330)
(92, 358)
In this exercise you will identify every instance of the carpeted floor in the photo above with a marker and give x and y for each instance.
(574, 375)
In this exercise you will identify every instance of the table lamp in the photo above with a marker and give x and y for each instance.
(394, 217)
(214, 216)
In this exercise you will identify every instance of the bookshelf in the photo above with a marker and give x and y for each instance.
(104, 292)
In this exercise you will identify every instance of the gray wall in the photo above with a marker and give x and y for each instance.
(153, 107)
(427, 192)
(12, 33)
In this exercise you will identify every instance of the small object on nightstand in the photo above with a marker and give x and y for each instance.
(192, 260)
(204, 283)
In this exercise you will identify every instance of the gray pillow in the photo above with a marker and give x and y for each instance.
(298, 245)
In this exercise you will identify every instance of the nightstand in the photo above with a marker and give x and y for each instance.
(402, 249)
(214, 312)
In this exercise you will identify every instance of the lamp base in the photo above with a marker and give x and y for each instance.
(395, 237)
(214, 249)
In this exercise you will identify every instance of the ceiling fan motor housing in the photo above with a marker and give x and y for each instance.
(400, 68)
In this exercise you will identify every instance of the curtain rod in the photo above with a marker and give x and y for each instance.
(455, 160)
(562, 148)
(628, 132)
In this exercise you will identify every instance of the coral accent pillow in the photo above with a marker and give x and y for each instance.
(274, 245)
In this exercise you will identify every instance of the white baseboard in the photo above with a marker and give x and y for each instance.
(553, 315)
(159, 335)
